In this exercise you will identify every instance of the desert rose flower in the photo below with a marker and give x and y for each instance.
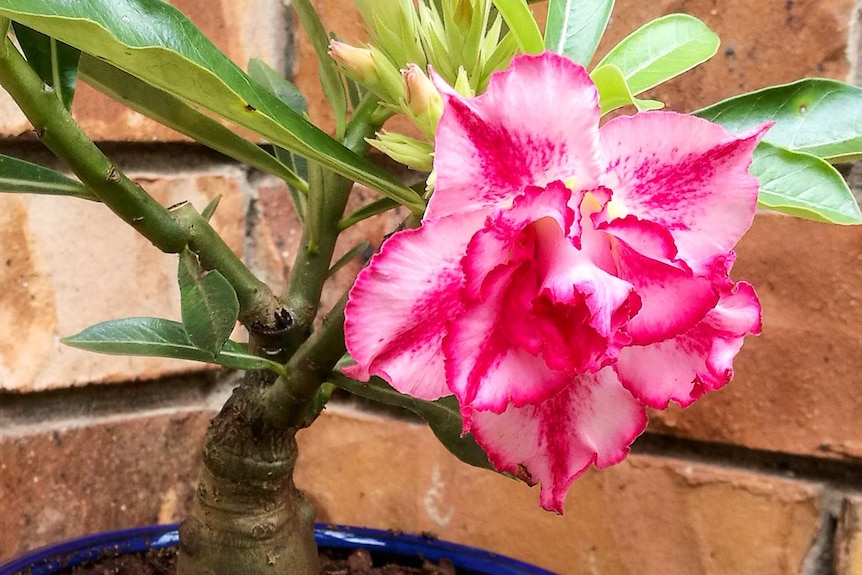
(565, 276)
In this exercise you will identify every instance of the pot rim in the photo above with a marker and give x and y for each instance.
(469, 560)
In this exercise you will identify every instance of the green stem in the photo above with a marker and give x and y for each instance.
(256, 300)
(311, 267)
(287, 401)
(56, 129)
(61, 134)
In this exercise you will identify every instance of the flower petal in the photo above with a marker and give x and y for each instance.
(537, 122)
(399, 306)
(683, 368)
(686, 174)
(492, 350)
(537, 311)
(485, 370)
(593, 420)
(673, 300)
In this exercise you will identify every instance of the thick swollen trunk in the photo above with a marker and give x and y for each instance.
(248, 517)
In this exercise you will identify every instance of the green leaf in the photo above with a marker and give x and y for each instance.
(359, 249)
(522, 24)
(575, 27)
(290, 95)
(803, 185)
(816, 116)
(208, 302)
(210, 208)
(55, 62)
(155, 337)
(443, 416)
(369, 210)
(330, 77)
(614, 91)
(662, 49)
(284, 89)
(20, 176)
(152, 40)
(176, 114)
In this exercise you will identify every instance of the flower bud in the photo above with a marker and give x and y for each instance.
(393, 27)
(371, 68)
(357, 62)
(423, 100)
(412, 153)
(464, 14)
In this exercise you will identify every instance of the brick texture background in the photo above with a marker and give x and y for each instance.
(762, 477)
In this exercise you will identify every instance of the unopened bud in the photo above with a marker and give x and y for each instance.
(413, 153)
(464, 13)
(371, 68)
(422, 98)
(357, 62)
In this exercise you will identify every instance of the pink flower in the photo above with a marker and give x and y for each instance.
(565, 276)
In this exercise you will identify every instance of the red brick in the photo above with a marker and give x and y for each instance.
(649, 515)
(848, 538)
(796, 386)
(116, 474)
(66, 264)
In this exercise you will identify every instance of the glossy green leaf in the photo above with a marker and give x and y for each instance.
(264, 75)
(803, 185)
(443, 416)
(155, 337)
(355, 92)
(176, 114)
(614, 91)
(522, 25)
(20, 176)
(208, 303)
(55, 62)
(816, 116)
(272, 80)
(662, 49)
(575, 27)
(152, 40)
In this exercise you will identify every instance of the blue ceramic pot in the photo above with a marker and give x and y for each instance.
(383, 545)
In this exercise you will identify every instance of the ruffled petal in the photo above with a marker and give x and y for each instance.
(494, 245)
(485, 370)
(537, 122)
(686, 174)
(593, 420)
(673, 299)
(493, 348)
(537, 312)
(399, 306)
(683, 368)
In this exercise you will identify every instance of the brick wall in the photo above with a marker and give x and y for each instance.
(760, 478)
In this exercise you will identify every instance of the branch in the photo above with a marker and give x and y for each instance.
(64, 137)
(288, 399)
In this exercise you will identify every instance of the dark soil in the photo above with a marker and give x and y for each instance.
(163, 562)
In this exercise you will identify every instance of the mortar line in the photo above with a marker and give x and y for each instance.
(35, 412)
(841, 474)
(48, 410)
